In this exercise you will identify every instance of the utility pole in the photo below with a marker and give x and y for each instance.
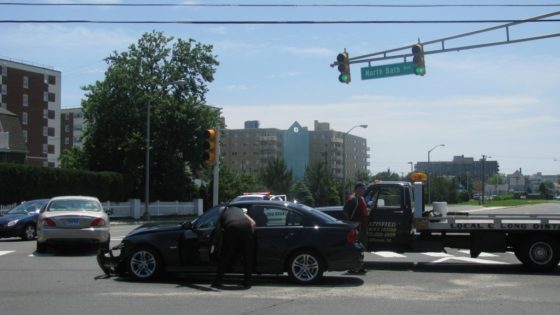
(483, 175)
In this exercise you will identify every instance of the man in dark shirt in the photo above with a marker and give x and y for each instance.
(356, 209)
(236, 230)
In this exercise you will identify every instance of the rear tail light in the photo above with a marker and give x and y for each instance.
(353, 236)
(48, 222)
(98, 222)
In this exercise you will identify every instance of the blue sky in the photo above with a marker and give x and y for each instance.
(499, 101)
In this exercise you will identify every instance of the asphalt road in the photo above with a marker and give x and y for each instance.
(70, 282)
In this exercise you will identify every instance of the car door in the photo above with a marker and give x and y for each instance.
(277, 232)
(389, 218)
(196, 241)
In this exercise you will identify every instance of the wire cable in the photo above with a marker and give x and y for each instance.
(269, 22)
(278, 5)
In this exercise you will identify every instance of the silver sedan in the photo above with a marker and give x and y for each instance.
(73, 219)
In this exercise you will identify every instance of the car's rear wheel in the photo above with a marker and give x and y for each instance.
(305, 267)
(144, 264)
(41, 247)
(29, 232)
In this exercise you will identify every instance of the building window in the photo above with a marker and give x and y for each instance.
(51, 132)
(46, 79)
(25, 82)
(45, 113)
(24, 135)
(4, 70)
(52, 97)
(52, 79)
(25, 100)
(67, 141)
(4, 89)
(45, 148)
(66, 128)
(46, 96)
(24, 118)
(45, 131)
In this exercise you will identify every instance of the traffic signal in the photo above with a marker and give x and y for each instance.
(418, 59)
(344, 67)
(210, 154)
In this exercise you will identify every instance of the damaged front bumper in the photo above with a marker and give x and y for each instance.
(111, 264)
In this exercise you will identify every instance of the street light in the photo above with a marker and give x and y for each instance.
(147, 188)
(429, 169)
(344, 158)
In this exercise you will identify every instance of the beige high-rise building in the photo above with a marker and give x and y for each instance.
(250, 149)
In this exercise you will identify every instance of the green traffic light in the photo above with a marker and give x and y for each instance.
(343, 78)
(419, 71)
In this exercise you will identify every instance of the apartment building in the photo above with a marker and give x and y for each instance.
(32, 93)
(250, 149)
(71, 128)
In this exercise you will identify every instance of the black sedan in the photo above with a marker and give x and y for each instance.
(289, 237)
(21, 221)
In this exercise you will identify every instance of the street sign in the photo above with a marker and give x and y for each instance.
(390, 70)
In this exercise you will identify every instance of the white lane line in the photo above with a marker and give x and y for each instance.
(388, 254)
(433, 254)
(5, 252)
(466, 251)
(470, 260)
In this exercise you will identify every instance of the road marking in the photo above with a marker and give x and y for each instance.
(5, 252)
(470, 260)
(468, 252)
(433, 254)
(388, 254)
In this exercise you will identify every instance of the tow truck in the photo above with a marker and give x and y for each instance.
(399, 222)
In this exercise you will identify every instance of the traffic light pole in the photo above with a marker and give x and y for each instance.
(384, 55)
(216, 181)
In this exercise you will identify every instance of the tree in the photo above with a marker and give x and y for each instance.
(301, 193)
(72, 158)
(387, 175)
(322, 184)
(115, 110)
(233, 184)
(276, 177)
(363, 176)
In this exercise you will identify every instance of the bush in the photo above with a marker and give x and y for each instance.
(23, 182)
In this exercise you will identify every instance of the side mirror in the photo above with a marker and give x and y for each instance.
(187, 225)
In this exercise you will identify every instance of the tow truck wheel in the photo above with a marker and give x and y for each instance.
(305, 267)
(540, 253)
(144, 264)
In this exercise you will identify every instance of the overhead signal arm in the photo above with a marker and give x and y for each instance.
(388, 54)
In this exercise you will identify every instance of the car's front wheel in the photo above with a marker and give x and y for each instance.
(144, 264)
(305, 267)
(29, 232)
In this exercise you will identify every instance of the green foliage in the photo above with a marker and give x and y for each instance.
(233, 184)
(301, 193)
(387, 176)
(363, 176)
(444, 189)
(22, 182)
(322, 184)
(276, 177)
(72, 158)
(115, 110)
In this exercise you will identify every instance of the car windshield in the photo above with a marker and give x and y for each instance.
(19, 209)
(74, 205)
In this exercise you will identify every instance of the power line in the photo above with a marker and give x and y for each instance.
(271, 22)
(279, 5)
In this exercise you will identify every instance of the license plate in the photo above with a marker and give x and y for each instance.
(73, 221)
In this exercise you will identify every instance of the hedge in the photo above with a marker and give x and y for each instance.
(23, 182)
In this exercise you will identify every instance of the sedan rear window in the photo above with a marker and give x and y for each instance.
(74, 205)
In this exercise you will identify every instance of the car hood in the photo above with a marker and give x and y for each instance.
(156, 227)
(9, 217)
